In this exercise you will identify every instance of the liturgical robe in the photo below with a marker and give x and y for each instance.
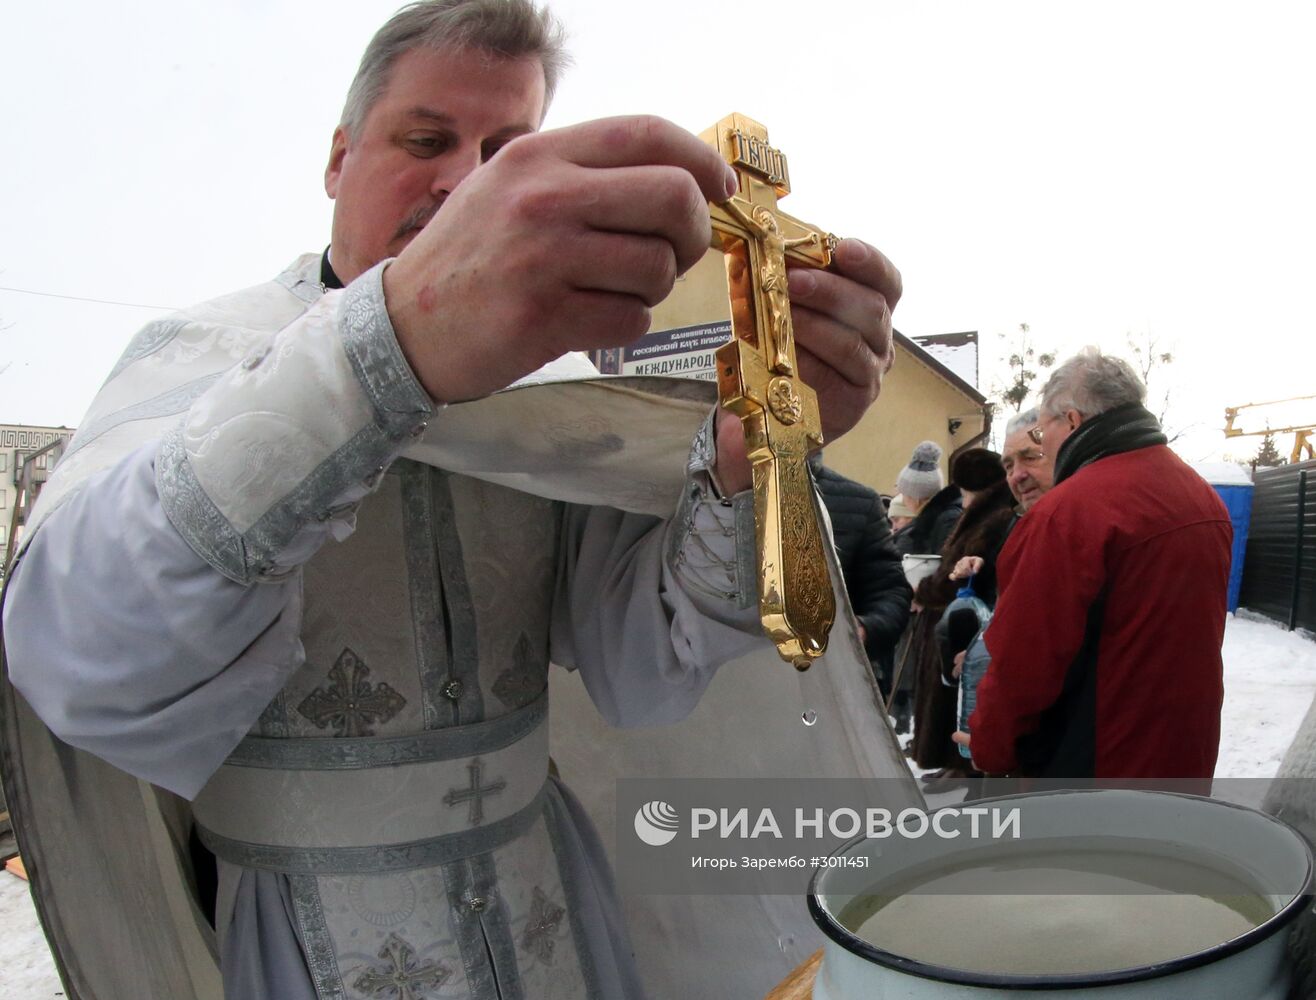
(362, 725)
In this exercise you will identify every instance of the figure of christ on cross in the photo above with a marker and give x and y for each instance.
(763, 224)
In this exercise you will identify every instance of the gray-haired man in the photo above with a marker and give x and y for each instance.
(1129, 556)
(1029, 471)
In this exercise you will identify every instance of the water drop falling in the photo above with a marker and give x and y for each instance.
(809, 717)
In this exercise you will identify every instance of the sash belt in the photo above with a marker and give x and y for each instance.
(354, 805)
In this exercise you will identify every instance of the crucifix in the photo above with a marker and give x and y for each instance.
(758, 381)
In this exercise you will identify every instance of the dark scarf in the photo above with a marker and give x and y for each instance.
(1125, 428)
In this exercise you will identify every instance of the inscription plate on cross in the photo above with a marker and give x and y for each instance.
(758, 381)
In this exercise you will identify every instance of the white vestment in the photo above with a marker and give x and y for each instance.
(176, 612)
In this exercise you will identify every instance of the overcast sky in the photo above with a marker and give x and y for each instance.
(1092, 169)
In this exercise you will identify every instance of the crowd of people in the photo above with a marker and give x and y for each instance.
(1104, 561)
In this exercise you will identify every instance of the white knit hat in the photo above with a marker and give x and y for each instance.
(899, 507)
(922, 477)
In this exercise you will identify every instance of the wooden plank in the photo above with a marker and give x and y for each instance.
(799, 984)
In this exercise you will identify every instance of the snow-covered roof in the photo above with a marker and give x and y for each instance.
(957, 351)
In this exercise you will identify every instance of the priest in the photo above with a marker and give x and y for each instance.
(291, 597)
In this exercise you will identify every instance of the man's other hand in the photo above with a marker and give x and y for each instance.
(843, 332)
(843, 343)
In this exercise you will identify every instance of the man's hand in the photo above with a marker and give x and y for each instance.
(843, 340)
(843, 343)
(561, 242)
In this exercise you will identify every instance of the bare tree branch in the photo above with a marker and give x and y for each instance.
(1024, 363)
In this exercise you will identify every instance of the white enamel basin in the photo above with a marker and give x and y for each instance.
(1258, 850)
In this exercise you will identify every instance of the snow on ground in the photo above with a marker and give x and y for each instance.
(1270, 680)
(28, 972)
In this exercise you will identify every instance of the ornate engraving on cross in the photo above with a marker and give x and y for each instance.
(758, 381)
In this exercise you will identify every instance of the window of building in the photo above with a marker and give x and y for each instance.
(4, 460)
(4, 499)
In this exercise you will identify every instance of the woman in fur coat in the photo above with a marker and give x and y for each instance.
(980, 531)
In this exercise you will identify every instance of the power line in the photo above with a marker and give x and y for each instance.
(82, 298)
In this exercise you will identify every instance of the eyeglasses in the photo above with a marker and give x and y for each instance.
(1035, 434)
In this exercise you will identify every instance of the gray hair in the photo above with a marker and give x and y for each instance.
(1022, 421)
(1091, 383)
(505, 29)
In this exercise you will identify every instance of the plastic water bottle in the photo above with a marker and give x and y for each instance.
(976, 662)
(976, 658)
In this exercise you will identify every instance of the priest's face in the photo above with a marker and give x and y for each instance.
(443, 113)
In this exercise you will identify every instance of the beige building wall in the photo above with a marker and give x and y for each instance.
(917, 404)
(700, 296)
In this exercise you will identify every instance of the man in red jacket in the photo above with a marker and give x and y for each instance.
(1127, 559)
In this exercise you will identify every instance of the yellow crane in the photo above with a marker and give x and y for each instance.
(1301, 432)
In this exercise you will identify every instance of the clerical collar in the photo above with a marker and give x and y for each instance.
(327, 276)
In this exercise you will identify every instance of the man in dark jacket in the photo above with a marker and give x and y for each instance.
(870, 565)
(1106, 640)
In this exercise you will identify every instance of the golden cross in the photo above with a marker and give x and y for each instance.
(758, 381)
